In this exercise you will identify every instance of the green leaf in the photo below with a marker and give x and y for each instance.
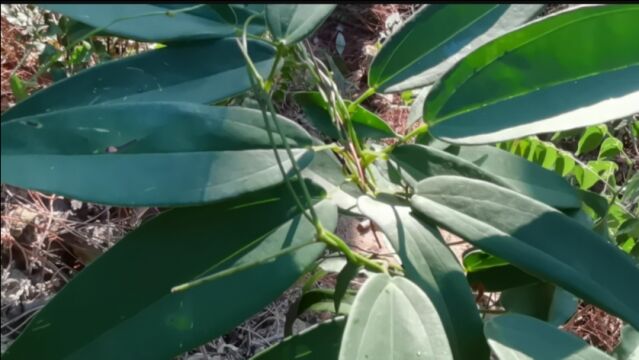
(366, 123)
(535, 238)
(542, 301)
(321, 300)
(417, 108)
(565, 164)
(523, 176)
(291, 23)
(518, 337)
(184, 72)
(476, 260)
(436, 37)
(122, 302)
(597, 203)
(591, 139)
(147, 153)
(510, 88)
(490, 273)
(432, 266)
(629, 227)
(500, 278)
(149, 22)
(628, 348)
(326, 170)
(348, 273)
(610, 148)
(589, 176)
(392, 319)
(417, 162)
(319, 342)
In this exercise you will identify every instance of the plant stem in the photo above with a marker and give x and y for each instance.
(353, 106)
(237, 269)
(404, 139)
(334, 241)
(266, 102)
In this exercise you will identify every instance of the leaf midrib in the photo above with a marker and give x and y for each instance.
(437, 46)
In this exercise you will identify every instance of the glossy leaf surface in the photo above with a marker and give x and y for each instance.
(122, 302)
(192, 72)
(533, 237)
(523, 176)
(146, 154)
(433, 267)
(392, 319)
(518, 337)
(628, 348)
(417, 162)
(591, 139)
(366, 123)
(150, 22)
(320, 342)
(290, 23)
(436, 37)
(510, 87)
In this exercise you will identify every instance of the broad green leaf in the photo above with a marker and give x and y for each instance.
(565, 164)
(500, 278)
(591, 139)
(319, 342)
(436, 37)
(433, 267)
(595, 170)
(490, 273)
(150, 22)
(323, 300)
(610, 148)
(597, 203)
(290, 23)
(476, 260)
(122, 303)
(366, 123)
(523, 176)
(417, 108)
(326, 170)
(417, 162)
(534, 237)
(147, 153)
(190, 72)
(519, 337)
(348, 273)
(549, 158)
(392, 319)
(510, 87)
(629, 227)
(628, 348)
(542, 301)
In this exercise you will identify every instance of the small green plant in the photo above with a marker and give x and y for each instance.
(255, 198)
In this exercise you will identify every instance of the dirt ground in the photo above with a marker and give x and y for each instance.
(47, 239)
